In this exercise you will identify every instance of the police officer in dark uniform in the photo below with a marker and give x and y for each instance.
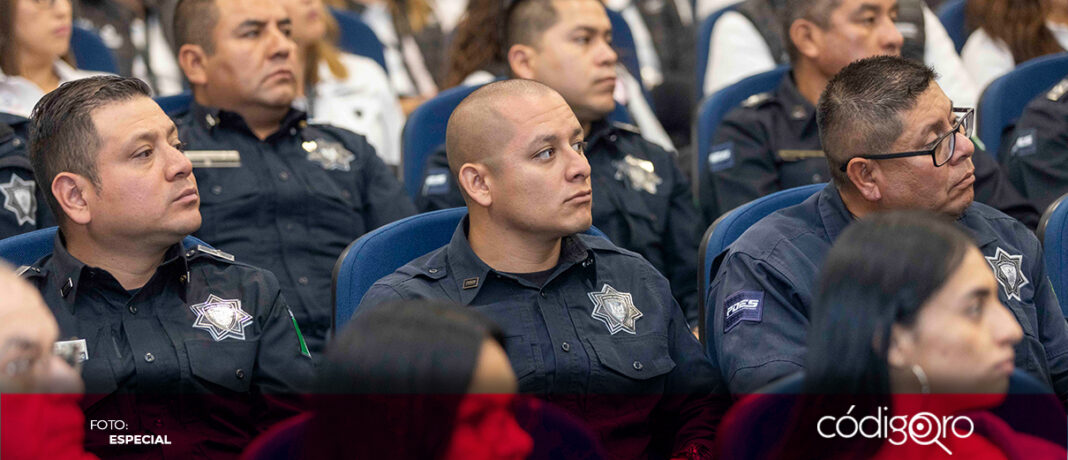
(642, 201)
(277, 192)
(20, 197)
(1034, 156)
(591, 325)
(179, 342)
(771, 142)
(762, 291)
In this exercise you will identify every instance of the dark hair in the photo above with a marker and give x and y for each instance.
(816, 11)
(63, 137)
(9, 59)
(1021, 24)
(490, 28)
(860, 110)
(396, 375)
(194, 23)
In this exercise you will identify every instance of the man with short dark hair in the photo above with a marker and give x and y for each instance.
(894, 141)
(179, 342)
(587, 325)
(279, 193)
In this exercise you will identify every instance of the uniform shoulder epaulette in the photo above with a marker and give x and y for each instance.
(756, 99)
(626, 127)
(1058, 90)
(209, 251)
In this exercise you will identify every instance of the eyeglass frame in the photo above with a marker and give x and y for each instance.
(968, 113)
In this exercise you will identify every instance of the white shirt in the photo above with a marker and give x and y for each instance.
(737, 50)
(363, 103)
(987, 58)
(407, 69)
(18, 95)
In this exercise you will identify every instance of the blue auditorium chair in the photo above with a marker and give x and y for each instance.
(728, 228)
(90, 52)
(27, 248)
(712, 110)
(704, 48)
(176, 104)
(951, 14)
(385, 249)
(1004, 100)
(358, 38)
(1053, 231)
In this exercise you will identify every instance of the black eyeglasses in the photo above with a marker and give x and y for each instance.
(964, 124)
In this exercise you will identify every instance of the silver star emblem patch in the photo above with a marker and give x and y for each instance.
(223, 318)
(20, 200)
(615, 309)
(640, 174)
(1009, 272)
(329, 154)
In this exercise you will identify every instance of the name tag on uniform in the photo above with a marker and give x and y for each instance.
(214, 158)
(796, 155)
(72, 351)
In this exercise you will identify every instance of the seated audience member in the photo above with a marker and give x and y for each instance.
(21, 201)
(134, 31)
(440, 373)
(1035, 157)
(34, 52)
(589, 325)
(1010, 32)
(641, 199)
(906, 317)
(753, 40)
(39, 392)
(342, 89)
(183, 342)
(772, 143)
(893, 141)
(280, 193)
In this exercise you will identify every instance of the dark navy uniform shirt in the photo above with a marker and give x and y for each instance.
(641, 200)
(1036, 155)
(772, 143)
(157, 360)
(293, 202)
(22, 204)
(602, 337)
(763, 291)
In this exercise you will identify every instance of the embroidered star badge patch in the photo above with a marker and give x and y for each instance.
(223, 318)
(1008, 270)
(640, 174)
(19, 199)
(615, 309)
(328, 154)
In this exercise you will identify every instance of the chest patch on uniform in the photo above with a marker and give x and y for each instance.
(214, 158)
(721, 157)
(640, 174)
(615, 309)
(73, 351)
(328, 154)
(19, 199)
(1008, 270)
(222, 318)
(1024, 144)
(742, 306)
(436, 182)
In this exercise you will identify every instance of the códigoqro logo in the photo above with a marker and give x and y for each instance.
(923, 428)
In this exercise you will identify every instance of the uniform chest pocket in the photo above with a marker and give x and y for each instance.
(228, 364)
(230, 200)
(803, 168)
(631, 363)
(327, 186)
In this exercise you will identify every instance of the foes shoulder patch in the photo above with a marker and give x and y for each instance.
(742, 306)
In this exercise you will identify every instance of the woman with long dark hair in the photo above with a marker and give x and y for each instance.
(1009, 32)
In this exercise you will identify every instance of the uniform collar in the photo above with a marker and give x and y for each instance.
(466, 268)
(209, 118)
(796, 106)
(600, 129)
(69, 270)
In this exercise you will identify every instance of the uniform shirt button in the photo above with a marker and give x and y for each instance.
(240, 374)
(613, 138)
(433, 270)
(149, 358)
(292, 131)
(542, 293)
(303, 280)
(216, 189)
(289, 226)
(565, 346)
(638, 365)
(133, 309)
(158, 423)
(283, 175)
(346, 194)
(17, 142)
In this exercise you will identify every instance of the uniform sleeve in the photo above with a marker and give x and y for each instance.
(741, 167)
(1052, 328)
(1036, 156)
(284, 367)
(438, 189)
(681, 244)
(755, 323)
(992, 187)
(385, 198)
(737, 50)
(379, 294)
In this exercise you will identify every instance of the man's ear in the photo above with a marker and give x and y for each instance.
(71, 191)
(192, 60)
(475, 182)
(863, 173)
(522, 59)
(807, 38)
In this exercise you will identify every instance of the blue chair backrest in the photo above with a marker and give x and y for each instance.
(712, 110)
(704, 40)
(951, 14)
(90, 52)
(387, 248)
(1053, 230)
(27, 248)
(358, 38)
(728, 228)
(1003, 101)
(425, 131)
(176, 104)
